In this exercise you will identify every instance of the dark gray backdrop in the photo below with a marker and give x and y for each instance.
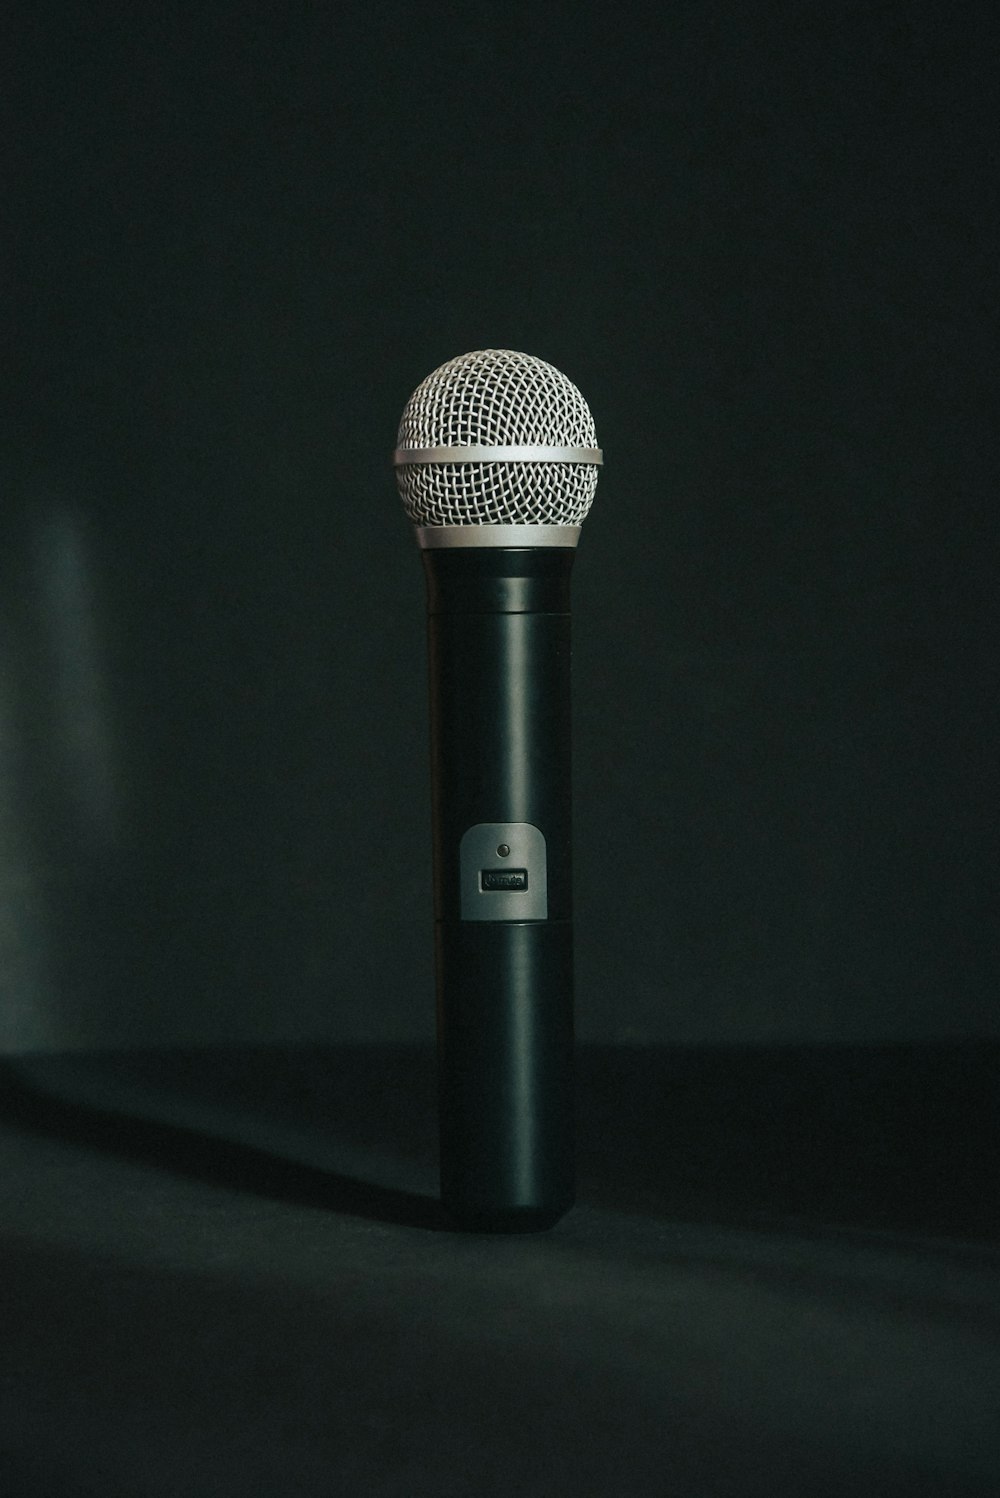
(761, 242)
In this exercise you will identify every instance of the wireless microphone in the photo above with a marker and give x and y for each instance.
(497, 462)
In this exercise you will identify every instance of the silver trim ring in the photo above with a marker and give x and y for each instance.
(516, 536)
(404, 456)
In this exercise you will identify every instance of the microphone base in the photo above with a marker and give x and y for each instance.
(515, 1220)
(505, 1074)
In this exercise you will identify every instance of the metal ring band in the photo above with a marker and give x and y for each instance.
(406, 455)
(516, 536)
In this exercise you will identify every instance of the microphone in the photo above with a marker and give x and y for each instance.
(496, 462)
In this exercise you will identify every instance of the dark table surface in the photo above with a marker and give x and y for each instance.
(225, 1272)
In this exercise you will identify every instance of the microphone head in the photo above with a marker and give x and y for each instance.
(494, 440)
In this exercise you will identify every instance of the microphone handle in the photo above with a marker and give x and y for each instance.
(499, 651)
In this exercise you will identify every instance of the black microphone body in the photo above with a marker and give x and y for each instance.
(499, 655)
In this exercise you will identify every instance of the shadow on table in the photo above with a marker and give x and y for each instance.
(892, 1138)
(336, 1128)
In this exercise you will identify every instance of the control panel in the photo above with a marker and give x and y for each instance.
(502, 872)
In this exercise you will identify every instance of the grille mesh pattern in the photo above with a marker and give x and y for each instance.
(497, 398)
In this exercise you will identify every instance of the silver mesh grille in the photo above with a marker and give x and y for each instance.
(497, 398)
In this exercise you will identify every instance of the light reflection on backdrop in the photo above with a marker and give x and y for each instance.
(81, 743)
(60, 812)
